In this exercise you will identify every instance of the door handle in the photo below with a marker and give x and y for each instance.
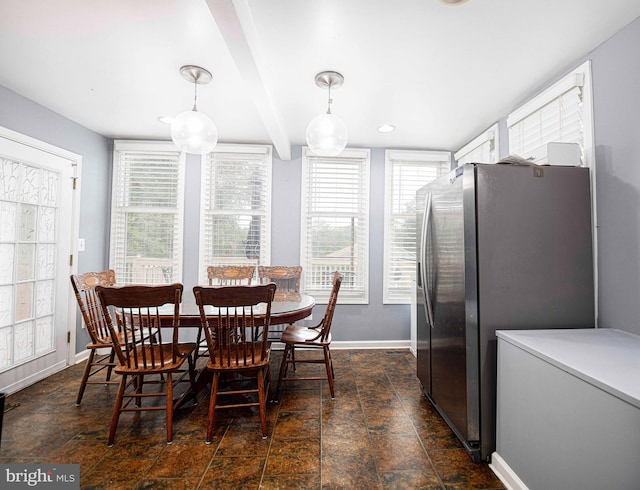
(423, 270)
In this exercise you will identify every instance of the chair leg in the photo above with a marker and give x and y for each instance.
(283, 368)
(268, 379)
(212, 406)
(112, 358)
(169, 408)
(138, 390)
(263, 403)
(192, 379)
(198, 338)
(117, 410)
(293, 357)
(333, 373)
(85, 376)
(329, 367)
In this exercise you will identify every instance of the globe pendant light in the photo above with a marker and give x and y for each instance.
(327, 133)
(192, 131)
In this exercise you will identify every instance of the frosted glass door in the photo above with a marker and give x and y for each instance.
(35, 245)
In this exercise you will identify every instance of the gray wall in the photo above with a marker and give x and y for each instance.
(616, 84)
(616, 80)
(27, 117)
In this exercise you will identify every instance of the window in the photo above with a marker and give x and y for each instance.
(235, 221)
(405, 173)
(335, 224)
(482, 149)
(147, 212)
(562, 113)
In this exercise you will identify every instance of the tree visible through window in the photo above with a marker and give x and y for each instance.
(147, 212)
(235, 228)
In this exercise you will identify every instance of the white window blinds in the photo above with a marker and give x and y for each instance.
(235, 223)
(335, 224)
(405, 173)
(556, 115)
(482, 149)
(147, 213)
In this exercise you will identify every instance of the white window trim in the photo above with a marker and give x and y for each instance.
(576, 78)
(490, 135)
(390, 156)
(579, 77)
(265, 150)
(322, 297)
(151, 146)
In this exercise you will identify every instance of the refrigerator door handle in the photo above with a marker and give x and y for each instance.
(423, 270)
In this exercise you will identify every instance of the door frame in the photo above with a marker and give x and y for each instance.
(39, 145)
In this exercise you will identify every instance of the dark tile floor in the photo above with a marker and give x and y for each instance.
(379, 432)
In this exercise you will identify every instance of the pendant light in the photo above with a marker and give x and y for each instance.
(327, 134)
(192, 131)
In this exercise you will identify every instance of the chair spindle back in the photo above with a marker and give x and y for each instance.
(84, 288)
(139, 312)
(230, 275)
(236, 321)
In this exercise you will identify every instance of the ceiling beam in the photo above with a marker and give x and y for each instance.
(234, 19)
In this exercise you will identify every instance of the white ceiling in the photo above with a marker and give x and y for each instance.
(441, 74)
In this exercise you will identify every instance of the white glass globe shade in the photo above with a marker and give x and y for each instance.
(327, 135)
(193, 132)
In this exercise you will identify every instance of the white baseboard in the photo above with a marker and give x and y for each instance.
(34, 378)
(84, 355)
(371, 344)
(360, 344)
(506, 475)
(335, 345)
(81, 356)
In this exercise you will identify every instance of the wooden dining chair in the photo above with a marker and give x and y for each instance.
(236, 322)
(224, 275)
(84, 288)
(139, 312)
(287, 280)
(311, 338)
(230, 275)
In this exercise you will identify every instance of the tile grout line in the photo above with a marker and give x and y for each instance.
(273, 429)
(435, 471)
(364, 419)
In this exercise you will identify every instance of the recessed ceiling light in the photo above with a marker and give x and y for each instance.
(166, 119)
(386, 128)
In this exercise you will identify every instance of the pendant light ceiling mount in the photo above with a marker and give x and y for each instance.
(196, 74)
(329, 79)
(192, 131)
(327, 133)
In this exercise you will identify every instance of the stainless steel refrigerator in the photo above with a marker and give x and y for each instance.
(500, 247)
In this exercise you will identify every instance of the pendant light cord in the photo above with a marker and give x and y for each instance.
(195, 94)
(329, 100)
